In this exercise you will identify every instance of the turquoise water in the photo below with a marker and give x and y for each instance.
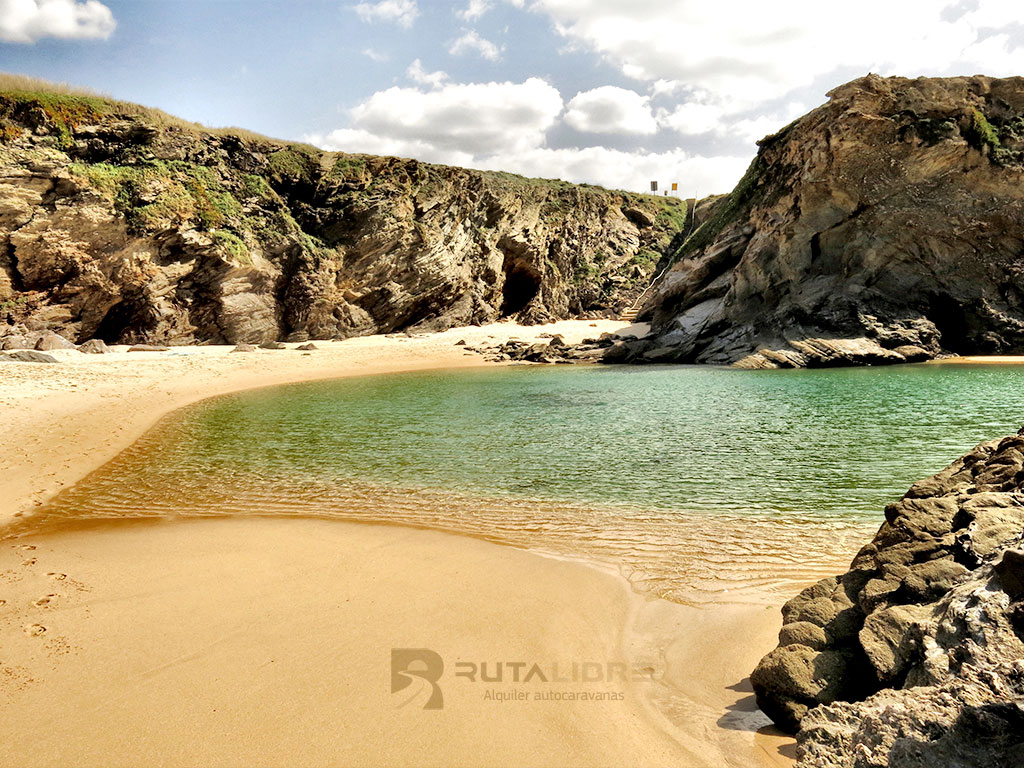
(616, 460)
(694, 439)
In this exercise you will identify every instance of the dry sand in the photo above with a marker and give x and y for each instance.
(264, 641)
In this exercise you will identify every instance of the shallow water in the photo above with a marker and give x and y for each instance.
(695, 481)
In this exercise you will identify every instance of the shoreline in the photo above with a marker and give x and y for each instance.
(979, 360)
(98, 405)
(94, 406)
(69, 419)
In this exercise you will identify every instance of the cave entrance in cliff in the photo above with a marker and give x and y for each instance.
(120, 318)
(950, 320)
(522, 283)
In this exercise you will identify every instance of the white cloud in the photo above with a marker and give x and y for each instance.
(503, 126)
(471, 42)
(753, 129)
(25, 21)
(476, 118)
(664, 88)
(365, 142)
(373, 55)
(400, 12)
(633, 171)
(474, 10)
(419, 75)
(611, 110)
(746, 54)
(693, 118)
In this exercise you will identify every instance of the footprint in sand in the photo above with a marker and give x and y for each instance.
(35, 630)
(42, 602)
(30, 561)
(28, 547)
(57, 576)
(3, 603)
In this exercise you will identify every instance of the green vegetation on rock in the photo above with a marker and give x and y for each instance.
(347, 166)
(161, 194)
(8, 131)
(981, 133)
(63, 112)
(233, 245)
(736, 205)
(296, 162)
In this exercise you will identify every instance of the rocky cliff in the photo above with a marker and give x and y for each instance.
(885, 226)
(915, 656)
(126, 225)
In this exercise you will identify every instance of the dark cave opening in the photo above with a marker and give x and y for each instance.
(123, 323)
(951, 321)
(522, 283)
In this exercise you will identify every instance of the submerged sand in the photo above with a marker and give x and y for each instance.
(267, 641)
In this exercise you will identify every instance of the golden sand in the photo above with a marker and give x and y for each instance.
(267, 641)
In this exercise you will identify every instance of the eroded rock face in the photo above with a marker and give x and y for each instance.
(916, 654)
(884, 227)
(129, 227)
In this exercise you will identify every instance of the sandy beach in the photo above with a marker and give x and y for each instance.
(263, 641)
(63, 421)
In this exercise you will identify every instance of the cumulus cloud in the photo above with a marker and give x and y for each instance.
(474, 118)
(746, 54)
(365, 142)
(400, 12)
(471, 42)
(474, 10)
(693, 118)
(25, 21)
(696, 175)
(611, 110)
(503, 126)
(419, 75)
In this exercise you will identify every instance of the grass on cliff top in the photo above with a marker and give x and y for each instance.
(69, 106)
(736, 204)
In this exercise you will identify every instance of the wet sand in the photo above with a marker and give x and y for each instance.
(63, 421)
(267, 641)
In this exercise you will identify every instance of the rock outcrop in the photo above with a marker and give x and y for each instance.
(915, 656)
(886, 226)
(126, 225)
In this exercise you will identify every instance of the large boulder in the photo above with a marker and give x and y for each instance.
(50, 341)
(917, 650)
(94, 347)
(28, 356)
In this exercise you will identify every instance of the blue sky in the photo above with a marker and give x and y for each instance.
(602, 91)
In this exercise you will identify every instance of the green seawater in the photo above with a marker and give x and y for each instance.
(696, 439)
(635, 465)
